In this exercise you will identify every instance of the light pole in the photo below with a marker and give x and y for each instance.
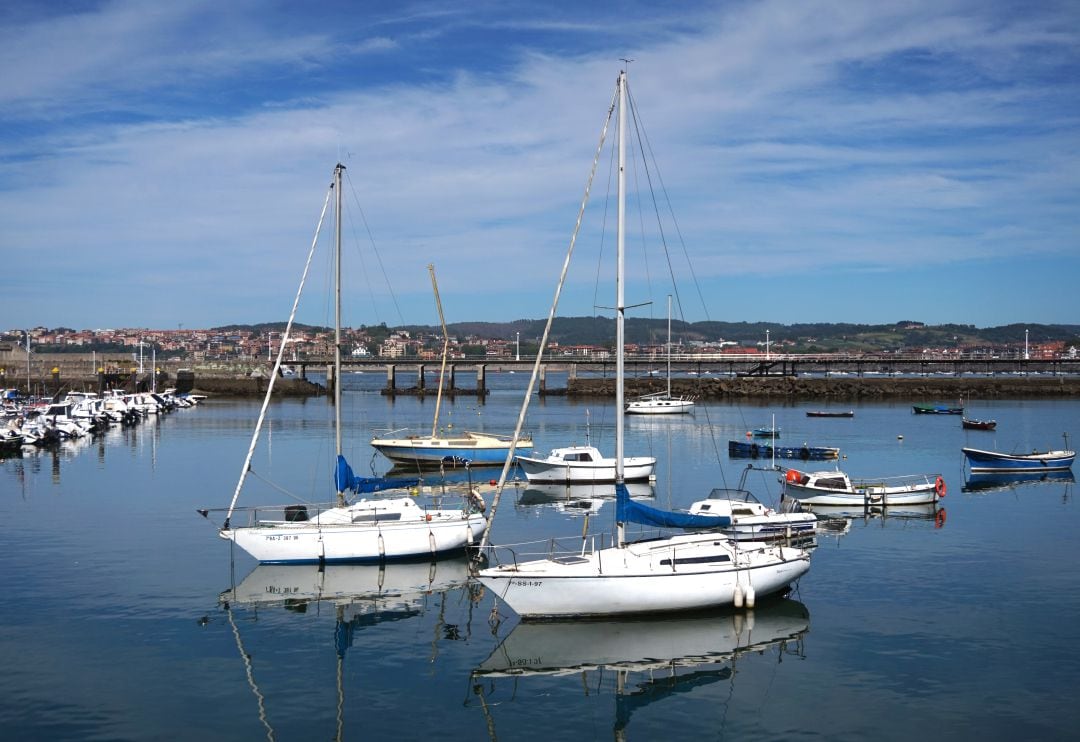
(1026, 355)
(517, 351)
(766, 345)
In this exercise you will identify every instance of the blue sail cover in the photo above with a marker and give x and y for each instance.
(346, 481)
(629, 511)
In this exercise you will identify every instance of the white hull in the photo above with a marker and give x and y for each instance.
(665, 406)
(836, 488)
(690, 572)
(583, 465)
(477, 448)
(333, 537)
(536, 470)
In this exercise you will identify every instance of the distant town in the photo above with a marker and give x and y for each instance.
(576, 337)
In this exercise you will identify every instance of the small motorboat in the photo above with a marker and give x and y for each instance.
(834, 487)
(970, 424)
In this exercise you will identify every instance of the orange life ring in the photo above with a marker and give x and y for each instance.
(939, 519)
(939, 487)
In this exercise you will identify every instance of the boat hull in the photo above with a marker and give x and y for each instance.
(635, 469)
(648, 577)
(307, 542)
(660, 407)
(871, 497)
(994, 461)
(741, 449)
(433, 451)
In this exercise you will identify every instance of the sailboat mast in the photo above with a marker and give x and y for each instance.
(337, 317)
(669, 346)
(445, 349)
(620, 302)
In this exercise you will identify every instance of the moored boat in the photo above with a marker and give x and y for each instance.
(682, 572)
(970, 424)
(748, 449)
(1036, 461)
(579, 464)
(834, 487)
(368, 530)
(828, 413)
(932, 409)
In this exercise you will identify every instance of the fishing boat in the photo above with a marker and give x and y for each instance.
(1036, 461)
(766, 432)
(754, 450)
(346, 530)
(828, 413)
(686, 571)
(662, 403)
(426, 451)
(834, 487)
(936, 409)
(969, 424)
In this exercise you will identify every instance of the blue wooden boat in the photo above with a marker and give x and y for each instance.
(751, 450)
(1036, 461)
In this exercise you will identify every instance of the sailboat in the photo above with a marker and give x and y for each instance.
(424, 451)
(364, 530)
(662, 403)
(686, 571)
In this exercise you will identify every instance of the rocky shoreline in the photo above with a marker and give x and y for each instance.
(842, 388)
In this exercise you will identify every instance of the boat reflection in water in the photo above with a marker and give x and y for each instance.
(361, 595)
(372, 589)
(836, 520)
(999, 481)
(673, 654)
(580, 499)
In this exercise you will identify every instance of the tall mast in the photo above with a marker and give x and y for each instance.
(669, 346)
(337, 317)
(620, 302)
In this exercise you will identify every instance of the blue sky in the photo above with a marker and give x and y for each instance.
(164, 164)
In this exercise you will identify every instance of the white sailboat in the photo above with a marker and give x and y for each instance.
(437, 449)
(687, 571)
(364, 530)
(662, 403)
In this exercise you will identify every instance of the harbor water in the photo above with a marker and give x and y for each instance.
(129, 619)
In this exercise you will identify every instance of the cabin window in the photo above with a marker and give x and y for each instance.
(697, 560)
(832, 484)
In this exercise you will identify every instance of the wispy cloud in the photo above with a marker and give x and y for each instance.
(177, 154)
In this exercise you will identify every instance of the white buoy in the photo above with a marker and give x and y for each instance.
(750, 596)
(738, 596)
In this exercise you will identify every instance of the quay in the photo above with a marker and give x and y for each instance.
(823, 376)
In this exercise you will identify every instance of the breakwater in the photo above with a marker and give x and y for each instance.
(848, 388)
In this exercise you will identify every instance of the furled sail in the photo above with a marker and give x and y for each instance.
(346, 481)
(629, 511)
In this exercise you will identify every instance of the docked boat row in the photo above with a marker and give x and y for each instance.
(74, 415)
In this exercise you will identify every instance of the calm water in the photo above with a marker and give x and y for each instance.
(905, 627)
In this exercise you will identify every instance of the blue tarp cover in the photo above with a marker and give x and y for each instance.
(628, 511)
(346, 481)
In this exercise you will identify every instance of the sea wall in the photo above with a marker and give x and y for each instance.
(842, 387)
